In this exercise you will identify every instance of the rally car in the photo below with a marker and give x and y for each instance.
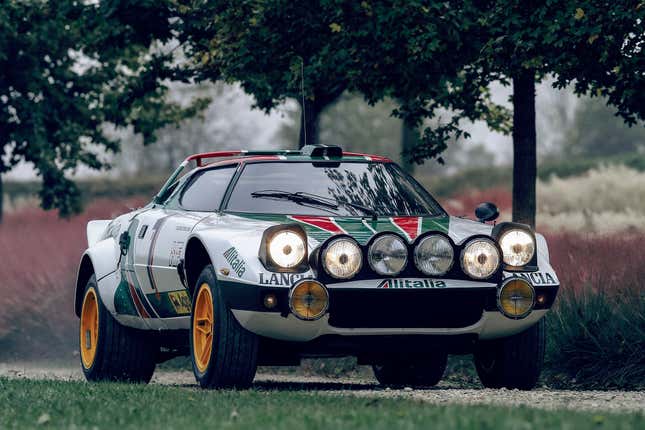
(263, 258)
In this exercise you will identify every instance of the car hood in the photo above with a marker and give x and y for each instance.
(320, 228)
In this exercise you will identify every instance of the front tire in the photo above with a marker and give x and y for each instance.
(513, 362)
(223, 353)
(426, 373)
(110, 351)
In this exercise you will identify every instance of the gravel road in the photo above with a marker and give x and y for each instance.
(595, 401)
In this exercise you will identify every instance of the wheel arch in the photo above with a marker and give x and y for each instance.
(85, 272)
(195, 259)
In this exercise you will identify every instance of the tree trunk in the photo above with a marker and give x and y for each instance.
(309, 124)
(1, 200)
(524, 147)
(409, 139)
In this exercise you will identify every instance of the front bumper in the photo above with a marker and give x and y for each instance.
(466, 307)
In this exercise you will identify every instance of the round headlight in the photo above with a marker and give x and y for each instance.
(517, 246)
(434, 255)
(308, 299)
(480, 258)
(287, 249)
(388, 255)
(342, 258)
(516, 298)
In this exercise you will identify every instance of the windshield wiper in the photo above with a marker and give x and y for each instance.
(301, 197)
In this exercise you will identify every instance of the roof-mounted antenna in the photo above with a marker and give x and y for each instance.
(302, 90)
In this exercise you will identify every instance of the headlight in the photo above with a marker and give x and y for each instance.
(342, 258)
(308, 299)
(287, 249)
(480, 258)
(434, 255)
(516, 298)
(517, 246)
(388, 255)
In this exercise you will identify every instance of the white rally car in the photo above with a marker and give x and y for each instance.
(263, 258)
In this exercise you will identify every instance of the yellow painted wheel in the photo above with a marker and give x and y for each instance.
(89, 331)
(203, 327)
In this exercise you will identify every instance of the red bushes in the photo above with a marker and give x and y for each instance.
(39, 254)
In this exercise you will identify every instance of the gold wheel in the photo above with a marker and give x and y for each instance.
(203, 326)
(89, 331)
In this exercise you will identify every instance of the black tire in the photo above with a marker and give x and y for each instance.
(426, 373)
(512, 362)
(122, 353)
(232, 360)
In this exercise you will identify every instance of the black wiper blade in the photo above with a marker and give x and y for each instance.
(298, 197)
(308, 198)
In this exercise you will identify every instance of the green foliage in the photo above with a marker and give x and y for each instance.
(69, 67)
(598, 340)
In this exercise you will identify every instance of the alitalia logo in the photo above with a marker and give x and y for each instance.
(237, 264)
(411, 283)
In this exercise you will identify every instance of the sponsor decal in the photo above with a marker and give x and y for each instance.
(237, 264)
(280, 278)
(176, 251)
(537, 278)
(322, 222)
(412, 283)
(180, 301)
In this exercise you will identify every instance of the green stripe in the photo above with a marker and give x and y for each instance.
(355, 228)
(439, 224)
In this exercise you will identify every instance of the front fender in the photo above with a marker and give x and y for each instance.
(101, 259)
(234, 255)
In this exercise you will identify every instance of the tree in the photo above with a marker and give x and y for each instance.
(66, 69)
(597, 46)
(439, 58)
(275, 49)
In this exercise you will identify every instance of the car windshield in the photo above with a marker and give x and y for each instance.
(332, 188)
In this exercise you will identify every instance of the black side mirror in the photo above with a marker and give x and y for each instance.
(486, 212)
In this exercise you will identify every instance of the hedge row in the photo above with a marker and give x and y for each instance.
(485, 178)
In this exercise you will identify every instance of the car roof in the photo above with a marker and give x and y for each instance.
(222, 158)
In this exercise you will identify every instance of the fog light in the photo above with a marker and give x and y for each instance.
(270, 301)
(308, 299)
(541, 299)
(516, 298)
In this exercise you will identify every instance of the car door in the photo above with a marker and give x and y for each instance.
(163, 234)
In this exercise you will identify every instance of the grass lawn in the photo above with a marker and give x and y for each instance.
(58, 404)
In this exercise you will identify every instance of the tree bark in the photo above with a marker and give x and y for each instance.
(524, 147)
(309, 124)
(1, 200)
(409, 139)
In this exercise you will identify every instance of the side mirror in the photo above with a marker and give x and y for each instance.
(486, 212)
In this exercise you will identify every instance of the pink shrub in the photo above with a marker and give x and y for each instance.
(40, 253)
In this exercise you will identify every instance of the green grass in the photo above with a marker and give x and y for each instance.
(58, 404)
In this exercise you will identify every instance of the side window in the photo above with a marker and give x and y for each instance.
(205, 190)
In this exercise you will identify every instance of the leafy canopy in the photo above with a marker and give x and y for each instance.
(69, 67)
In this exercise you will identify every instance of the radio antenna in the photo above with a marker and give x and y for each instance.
(302, 90)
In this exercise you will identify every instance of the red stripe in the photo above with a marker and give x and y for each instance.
(135, 299)
(409, 224)
(322, 222)
(372, 156)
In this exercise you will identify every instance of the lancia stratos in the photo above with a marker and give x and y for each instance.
(249, 258)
